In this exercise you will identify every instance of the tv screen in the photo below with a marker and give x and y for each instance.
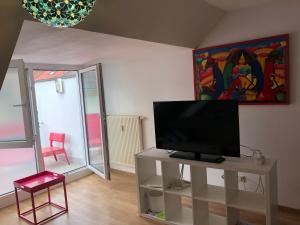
(207, 127)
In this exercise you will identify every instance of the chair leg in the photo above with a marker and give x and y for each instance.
(67, 158)
(44, 160)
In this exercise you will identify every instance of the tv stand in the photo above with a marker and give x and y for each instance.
(157, 171)
(198, 157)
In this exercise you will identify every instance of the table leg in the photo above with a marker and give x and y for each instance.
(33, 208)
(66, 198)
(17, 201)
(49, 195)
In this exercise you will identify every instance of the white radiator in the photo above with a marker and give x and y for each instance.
(125, 138)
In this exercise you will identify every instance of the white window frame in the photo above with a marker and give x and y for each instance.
(25, 104)
(79, 69)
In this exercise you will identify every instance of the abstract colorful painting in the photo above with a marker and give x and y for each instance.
(252, 72)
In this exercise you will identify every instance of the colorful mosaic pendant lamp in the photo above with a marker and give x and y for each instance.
(59, 13)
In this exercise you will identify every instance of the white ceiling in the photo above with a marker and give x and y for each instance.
(39, 43)
(231, 5)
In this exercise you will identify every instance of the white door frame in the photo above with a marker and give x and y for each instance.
(30, 67)
(79, 69)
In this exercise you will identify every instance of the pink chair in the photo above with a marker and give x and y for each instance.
(53, 150)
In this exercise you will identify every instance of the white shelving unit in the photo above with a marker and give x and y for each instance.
(200, 193)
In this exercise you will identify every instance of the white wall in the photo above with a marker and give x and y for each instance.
(61, 113)
(132, 85)
(274, 129)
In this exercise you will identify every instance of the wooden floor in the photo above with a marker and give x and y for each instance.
(93, 201)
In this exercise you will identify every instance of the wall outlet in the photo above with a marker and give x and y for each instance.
(243, 179)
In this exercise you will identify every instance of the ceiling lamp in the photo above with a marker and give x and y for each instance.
(59, 13)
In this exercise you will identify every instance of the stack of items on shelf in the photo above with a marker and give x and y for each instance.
(156, 204)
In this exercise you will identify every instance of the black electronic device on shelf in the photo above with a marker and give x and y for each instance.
(198, 130)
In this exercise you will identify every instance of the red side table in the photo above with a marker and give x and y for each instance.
(38, 182)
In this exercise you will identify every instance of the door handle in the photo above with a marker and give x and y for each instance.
(19, 105)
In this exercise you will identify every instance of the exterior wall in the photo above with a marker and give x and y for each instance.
(61, 113)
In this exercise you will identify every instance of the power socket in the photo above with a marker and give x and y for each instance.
(243, 179)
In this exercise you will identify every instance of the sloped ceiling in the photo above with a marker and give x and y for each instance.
(11, 18)
(175, 22)
(232, 5)
(39, 43)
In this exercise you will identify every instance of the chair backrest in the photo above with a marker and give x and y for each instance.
(94, 129)
(57, 137)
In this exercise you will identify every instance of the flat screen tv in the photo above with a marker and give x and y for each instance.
(198, 130)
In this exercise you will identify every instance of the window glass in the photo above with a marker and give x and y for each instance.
(11, 112)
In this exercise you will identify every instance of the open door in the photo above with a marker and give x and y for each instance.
(95, 120)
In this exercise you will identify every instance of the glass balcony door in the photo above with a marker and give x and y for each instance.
(69, 101)
(95, 122)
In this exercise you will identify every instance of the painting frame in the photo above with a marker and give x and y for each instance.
(285, 88)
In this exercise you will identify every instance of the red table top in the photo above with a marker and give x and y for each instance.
(39, 181)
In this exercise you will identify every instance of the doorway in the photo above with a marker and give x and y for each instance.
(70, 102)
(57, 97)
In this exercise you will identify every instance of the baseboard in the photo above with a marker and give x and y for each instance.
(286, 209)
(77, 174)
(122, 167)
